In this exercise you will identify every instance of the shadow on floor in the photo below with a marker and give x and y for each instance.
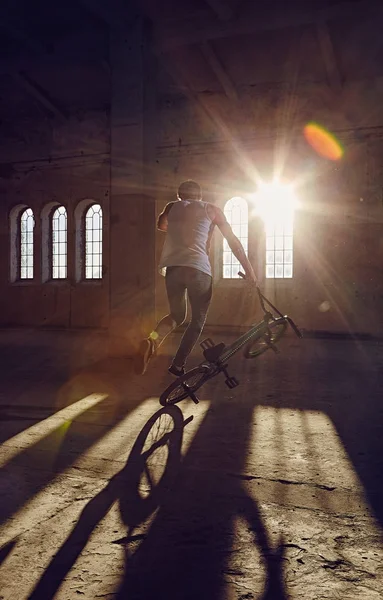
(6, 550)
(341, 379)
(138, 493)
(58, 449)
(188, 552)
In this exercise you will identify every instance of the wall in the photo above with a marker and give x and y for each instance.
(338, 239)
(102, 154)
(55, 163)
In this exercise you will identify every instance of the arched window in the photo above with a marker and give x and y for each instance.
(27, 223)
(237, 213)
(93, 242)
(59, 243)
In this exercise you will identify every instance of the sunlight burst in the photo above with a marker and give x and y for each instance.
(275, 203)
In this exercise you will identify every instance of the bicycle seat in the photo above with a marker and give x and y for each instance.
(213, 353)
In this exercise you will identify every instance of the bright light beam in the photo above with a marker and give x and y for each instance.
(33, 434)
(275, 203)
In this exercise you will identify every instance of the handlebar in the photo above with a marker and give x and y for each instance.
(264, 301)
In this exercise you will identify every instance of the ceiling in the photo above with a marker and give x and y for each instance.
(220, 46)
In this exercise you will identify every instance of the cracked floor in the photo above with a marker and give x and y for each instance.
(269, 491)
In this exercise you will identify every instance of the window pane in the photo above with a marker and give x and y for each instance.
(288, 258)
(227, 272)
(27, 223)
(236, 212)
(59, 243)
(93, 243)
(279, 236)
(288, 243)
(288, 271)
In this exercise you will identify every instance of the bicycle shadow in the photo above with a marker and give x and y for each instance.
(186, 552)
(136, 503)
(6, 549)
(59, 448)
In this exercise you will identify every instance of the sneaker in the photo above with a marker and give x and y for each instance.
(177, 371)
(145, 352)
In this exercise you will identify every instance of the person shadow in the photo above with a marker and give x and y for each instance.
(137, 487)
(188, 551)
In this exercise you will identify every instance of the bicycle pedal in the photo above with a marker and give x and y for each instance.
(190, 393)
(231, 382)
(193, 397)
(207, 343)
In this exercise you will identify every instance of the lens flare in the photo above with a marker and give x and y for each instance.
(323, 142)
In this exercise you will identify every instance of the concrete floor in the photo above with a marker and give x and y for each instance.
(273, 490)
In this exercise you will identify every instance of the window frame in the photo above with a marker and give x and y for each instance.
(283, 249)
(85, 279)
(19, 278)
(52, 279)
(232, 280)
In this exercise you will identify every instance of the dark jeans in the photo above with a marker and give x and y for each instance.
(198, 286)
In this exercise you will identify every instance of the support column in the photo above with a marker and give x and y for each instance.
(132, 202)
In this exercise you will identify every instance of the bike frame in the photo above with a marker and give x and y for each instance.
(217, 356)
(257, 330)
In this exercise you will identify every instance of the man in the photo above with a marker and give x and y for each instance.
(189, 223)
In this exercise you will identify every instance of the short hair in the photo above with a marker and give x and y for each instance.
(189, 190)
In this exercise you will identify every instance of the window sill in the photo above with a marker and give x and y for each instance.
(23, 282)
(90, 282)
(60, 282)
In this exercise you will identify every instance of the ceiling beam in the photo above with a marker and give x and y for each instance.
(38, 94)
(167, 38)
(329, 58)
(223, 11)
(219, 71)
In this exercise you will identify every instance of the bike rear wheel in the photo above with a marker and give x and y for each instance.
(258, 346)
(182, 386)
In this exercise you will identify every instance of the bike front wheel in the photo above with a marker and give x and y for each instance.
(186, 384)
(257, 346)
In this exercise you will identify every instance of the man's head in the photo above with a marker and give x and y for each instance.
(189, 190)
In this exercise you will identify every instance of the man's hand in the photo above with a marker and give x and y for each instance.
(250, 277)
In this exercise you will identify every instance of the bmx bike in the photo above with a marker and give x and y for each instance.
(261, 337)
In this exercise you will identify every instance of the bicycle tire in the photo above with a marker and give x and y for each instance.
(260, 345)
(192, 379)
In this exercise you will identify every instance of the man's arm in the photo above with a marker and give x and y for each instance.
(235, 245)
(162, 221)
